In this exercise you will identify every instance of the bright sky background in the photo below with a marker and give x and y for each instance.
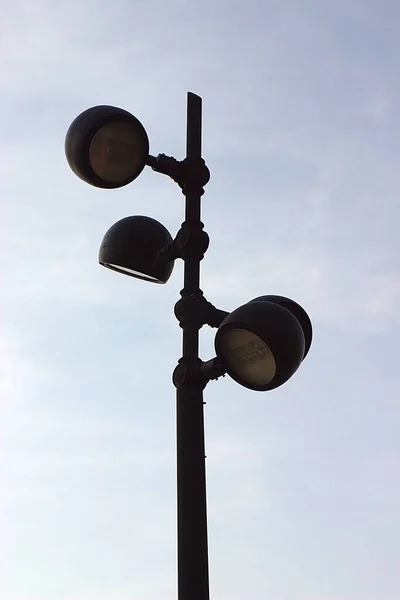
(301, 134)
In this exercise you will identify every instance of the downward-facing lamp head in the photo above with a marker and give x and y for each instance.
(133, 245)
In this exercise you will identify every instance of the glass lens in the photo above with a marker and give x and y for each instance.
(248, 357)
(131, 272)
(117, 151)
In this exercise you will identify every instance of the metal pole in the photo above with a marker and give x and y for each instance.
(193, 582)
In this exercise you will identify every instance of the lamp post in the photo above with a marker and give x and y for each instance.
(260, 344)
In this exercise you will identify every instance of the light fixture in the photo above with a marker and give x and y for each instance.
(107, 147)
(260, 345)
(133, 245)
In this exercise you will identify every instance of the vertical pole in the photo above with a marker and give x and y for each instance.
(193, 583)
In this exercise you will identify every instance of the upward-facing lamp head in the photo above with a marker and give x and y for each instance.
(107, 147)
(133, 245)
(261, 344)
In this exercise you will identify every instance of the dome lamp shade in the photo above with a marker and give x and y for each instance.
(261, 345)
(132, 246)
(106, 147)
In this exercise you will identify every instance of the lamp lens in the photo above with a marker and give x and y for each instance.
(116, 151)
(131, 272)
(248, 356)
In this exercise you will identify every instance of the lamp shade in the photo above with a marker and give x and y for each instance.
(296, 311)
(261, 344)
(132, 246)
(107, 147)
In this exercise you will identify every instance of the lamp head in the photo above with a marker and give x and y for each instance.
(107, 147)
(261, 344)
(132, 246)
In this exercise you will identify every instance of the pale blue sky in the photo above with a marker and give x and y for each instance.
(301, 134)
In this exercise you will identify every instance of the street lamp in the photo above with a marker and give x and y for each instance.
(260, 344)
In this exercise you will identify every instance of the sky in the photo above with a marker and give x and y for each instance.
(301, 135)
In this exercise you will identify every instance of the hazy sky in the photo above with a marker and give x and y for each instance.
(301, 134)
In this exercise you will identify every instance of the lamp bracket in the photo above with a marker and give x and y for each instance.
(191, 174)
(191, 242)
(197, 372)
(212, 369)
(188, 372)
(194, 309)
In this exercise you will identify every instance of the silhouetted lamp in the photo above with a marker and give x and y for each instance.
(260, 344)
(133, 245)
(107, 147)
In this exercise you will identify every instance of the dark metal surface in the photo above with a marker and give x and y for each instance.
(80, 136)
(132, 246)
(193, 580)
